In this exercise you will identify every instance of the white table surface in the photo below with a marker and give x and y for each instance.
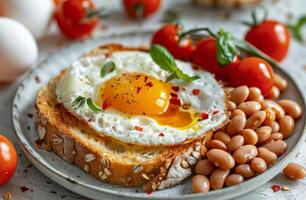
(40, 187)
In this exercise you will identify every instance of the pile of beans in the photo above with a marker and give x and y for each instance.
(251, 141)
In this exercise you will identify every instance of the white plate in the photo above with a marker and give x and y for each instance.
(76, 180)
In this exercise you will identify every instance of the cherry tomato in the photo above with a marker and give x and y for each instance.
(8, 160)
(57, 2)
(168, 36)
(205, 56)
(144, 7)
(271, 37)
(73, 20)
(253, 72)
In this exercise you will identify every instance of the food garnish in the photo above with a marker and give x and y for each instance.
(107, 68)
(164, 60)
(80, 101)
(92, 106)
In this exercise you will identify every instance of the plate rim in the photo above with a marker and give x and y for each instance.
(252, 183)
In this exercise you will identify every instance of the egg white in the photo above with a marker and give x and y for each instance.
(83, 79)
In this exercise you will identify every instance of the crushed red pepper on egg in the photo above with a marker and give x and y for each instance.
(161, 134)
(106, 104)
(195, 91)
(215, 112)
(138, 90)
(138, 128)
(204, 115)
(175, 88)
(175, 101)
(173, 94)
(150, 84)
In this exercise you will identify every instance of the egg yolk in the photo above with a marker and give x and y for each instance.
(136, 94)
(140, 94)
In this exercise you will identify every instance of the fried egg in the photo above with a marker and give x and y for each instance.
(136, 103)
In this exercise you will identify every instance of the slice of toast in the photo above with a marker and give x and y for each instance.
(108, 159)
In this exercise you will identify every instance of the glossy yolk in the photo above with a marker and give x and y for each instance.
(139, 94)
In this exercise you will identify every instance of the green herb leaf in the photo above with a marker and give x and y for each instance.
(162, 57)
(171, 77)
(226, 49)
(107, 68)
(181, 75)
(78, 102)
(297, 27)
(92, 106)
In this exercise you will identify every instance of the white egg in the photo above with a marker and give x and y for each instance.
(18, 49)
(207, 108)
(34, 14)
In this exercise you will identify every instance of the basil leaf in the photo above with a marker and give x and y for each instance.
(78, 102)
(181, 75)
(226, 49)
(171, 77)
(297, 27)
(107, 68)
(162, 58)
(92, 106)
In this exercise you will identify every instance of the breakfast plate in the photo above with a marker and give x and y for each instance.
(77, 181)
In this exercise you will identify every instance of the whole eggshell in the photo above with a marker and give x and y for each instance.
(34, 14)
(18, 49)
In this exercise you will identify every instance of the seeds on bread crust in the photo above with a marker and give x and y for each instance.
(89, 157)
(137, 168)
(104, 162)
(107, 171)
(41, 132)
(57, 140)
(145, 176)
(86, 168)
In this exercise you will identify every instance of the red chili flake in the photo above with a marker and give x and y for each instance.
(195, 91)
(203, 115)
(276, 188)
(150, 84)
(138, 128)
(106, 104)
(161, 134)
(173, 94)
(137, 76)
(138, 89)
(145, 79)
(24, 189)
(37, 79)
(175, 88)
(175, 101)
(215, 112)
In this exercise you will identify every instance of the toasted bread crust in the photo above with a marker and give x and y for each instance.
(57, 130)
